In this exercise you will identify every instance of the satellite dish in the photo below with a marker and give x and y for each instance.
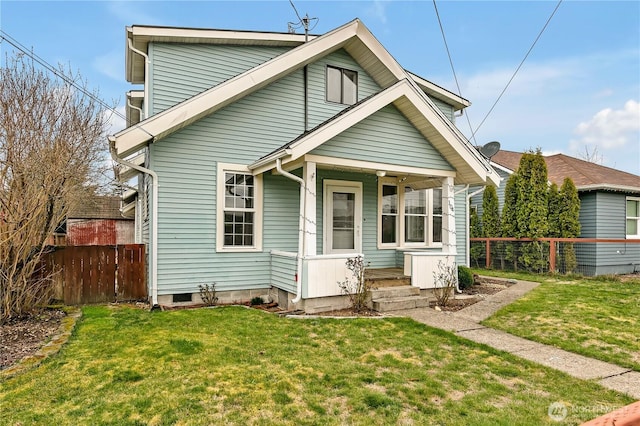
(490, 149)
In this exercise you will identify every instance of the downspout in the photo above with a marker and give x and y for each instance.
(146, 77)
(130, 105)
(154, 216)
(300, 228)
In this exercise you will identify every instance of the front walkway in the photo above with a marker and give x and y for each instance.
(466, 323)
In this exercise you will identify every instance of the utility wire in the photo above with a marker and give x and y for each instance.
(15, 43)
(452, 68)
(12, 41)
(517, 69)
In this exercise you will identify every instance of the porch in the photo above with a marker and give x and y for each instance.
(405, 285)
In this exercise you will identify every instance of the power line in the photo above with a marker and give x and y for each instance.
(452, 68)
(518, 69)
(15, 43)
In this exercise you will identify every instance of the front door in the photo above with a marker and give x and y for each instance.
(342, 217)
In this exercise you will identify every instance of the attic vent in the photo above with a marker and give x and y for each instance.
(182, 297)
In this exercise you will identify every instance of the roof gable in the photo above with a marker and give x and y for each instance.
(419, 110)
(354, 37)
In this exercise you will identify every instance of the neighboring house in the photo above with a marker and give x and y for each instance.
(97, 221)
(609, 208)
(264, 162)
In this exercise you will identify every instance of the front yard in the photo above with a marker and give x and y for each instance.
(241, 366)
(595, 317)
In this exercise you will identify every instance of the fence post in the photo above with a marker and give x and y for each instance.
(488, 252)
(552, 255)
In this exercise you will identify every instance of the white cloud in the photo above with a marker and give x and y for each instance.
(610, 129)
(115, 121)
(111, 64)
(378, 11)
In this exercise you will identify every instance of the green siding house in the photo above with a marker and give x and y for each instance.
(609, 209)
(261, 162)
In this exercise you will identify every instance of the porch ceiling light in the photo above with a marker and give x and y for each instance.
(381, 173)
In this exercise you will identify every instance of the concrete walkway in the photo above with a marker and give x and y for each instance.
(465, 323)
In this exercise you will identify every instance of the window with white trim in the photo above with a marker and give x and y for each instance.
(633, 217)
(390, 222)
(239, 210)
(342, 85)
(408, 217)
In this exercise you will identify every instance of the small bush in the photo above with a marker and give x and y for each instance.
(465, 277)
(257, 301)
(208, 294)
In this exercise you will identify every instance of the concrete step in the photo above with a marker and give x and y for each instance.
(390, 292)
(400, 303)
(388, 282)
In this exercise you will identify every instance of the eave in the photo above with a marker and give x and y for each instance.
(446, 96)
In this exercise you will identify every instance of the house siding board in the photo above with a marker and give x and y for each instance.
(180, 71)
(281, 213)
(319, 109)
(446, 109)
(376, 139)
(460, 210)
(283, 271)
(186, 164)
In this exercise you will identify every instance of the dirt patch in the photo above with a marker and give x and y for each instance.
(25, 336)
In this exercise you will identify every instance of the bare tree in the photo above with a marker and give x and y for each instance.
(592, 156)
(51, 155)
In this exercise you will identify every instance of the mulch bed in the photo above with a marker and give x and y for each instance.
(25, 336)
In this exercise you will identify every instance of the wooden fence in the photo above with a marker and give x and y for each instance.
(97, 274)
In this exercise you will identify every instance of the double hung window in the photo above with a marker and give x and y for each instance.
(239, 210)
(633, 217)
(342, 85)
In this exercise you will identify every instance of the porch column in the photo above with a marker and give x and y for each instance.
(309, 176)
(448, 217)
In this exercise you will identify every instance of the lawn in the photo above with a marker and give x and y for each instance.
(595, 317)
(125, 366)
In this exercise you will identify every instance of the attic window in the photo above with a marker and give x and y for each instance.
(342, 85)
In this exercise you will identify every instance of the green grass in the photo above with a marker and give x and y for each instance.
(596, 317)
(125, 366)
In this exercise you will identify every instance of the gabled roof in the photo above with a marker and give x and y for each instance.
(585, 175)
(419, 110)
(354, 37)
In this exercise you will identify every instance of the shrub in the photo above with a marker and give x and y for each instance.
(208, 294)
(257, 301)
(465, 277)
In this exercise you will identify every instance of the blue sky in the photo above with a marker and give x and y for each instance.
(577, 92)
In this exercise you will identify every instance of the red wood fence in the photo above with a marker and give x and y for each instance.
(97, 274)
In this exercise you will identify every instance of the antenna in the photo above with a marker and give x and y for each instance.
(302, 23)
(490, 149)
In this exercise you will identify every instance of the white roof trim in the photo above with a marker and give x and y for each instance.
(409, 99)
(160, 125)
(503, 168)
(458, 102)
(608, 187)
